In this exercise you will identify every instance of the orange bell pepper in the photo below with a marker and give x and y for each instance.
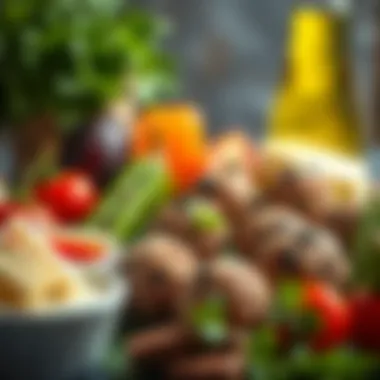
(178, 131)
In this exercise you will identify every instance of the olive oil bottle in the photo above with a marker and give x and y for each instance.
(314, 120)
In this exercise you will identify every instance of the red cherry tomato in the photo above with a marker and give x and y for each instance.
(366, 322)
(78, 250)
(332, 314)
(319, 317)
(70, 195)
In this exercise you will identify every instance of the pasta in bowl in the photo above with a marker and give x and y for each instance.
(56, 320)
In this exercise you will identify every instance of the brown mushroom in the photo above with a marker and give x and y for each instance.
(344, 222)
(308, 252)
(172, 352)
(176, 350)
(242, 291)
(268, 225)
(206, 242)
(309, 194)
(323, 257)
(161, 271)
(245, 289)
(233, 161)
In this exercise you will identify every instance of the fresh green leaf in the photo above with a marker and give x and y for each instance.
(204, 216)
(209, 319)
(288, 299)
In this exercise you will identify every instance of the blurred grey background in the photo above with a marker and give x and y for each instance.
(230, 53)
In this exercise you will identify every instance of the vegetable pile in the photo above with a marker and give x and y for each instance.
(251, 270)
(240, 265)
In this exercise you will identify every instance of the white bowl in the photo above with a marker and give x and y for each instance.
(62, 342)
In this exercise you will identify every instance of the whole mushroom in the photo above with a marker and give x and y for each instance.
(172, 352)
(179, 350)
(344, 222)
(273, 224)
(244, 288)
(309, 252)
(198, 223)
(161, 271)
(236, 211)
(305, 192)
(233, 162)
(324, 257)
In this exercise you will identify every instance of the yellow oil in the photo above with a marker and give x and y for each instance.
(314, 118)
(315, 104)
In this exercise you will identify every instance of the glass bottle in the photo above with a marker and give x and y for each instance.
(314, 119)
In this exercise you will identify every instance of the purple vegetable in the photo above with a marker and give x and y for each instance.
(100, 148)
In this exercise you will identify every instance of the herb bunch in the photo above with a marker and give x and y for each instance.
(68, 58)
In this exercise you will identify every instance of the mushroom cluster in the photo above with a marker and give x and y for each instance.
(222, 252)
(170, 289)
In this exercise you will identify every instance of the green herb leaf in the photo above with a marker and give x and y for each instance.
(288, 297)
(204, 216)
(209, 319)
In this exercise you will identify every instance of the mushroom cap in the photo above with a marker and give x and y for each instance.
(207, 241)
(310, 252)
(270, 228)
(324, 258)
(161, 271)
(344, 221)
(245, 289)
(310, 194)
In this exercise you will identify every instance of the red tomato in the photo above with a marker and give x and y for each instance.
(319, 316)
(70, 195)
(366, 322)
(332, 313)
(78, 250)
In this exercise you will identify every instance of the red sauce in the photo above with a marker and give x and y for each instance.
(77, 249)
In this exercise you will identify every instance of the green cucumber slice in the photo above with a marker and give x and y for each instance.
(139, 189)
(153, 192)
